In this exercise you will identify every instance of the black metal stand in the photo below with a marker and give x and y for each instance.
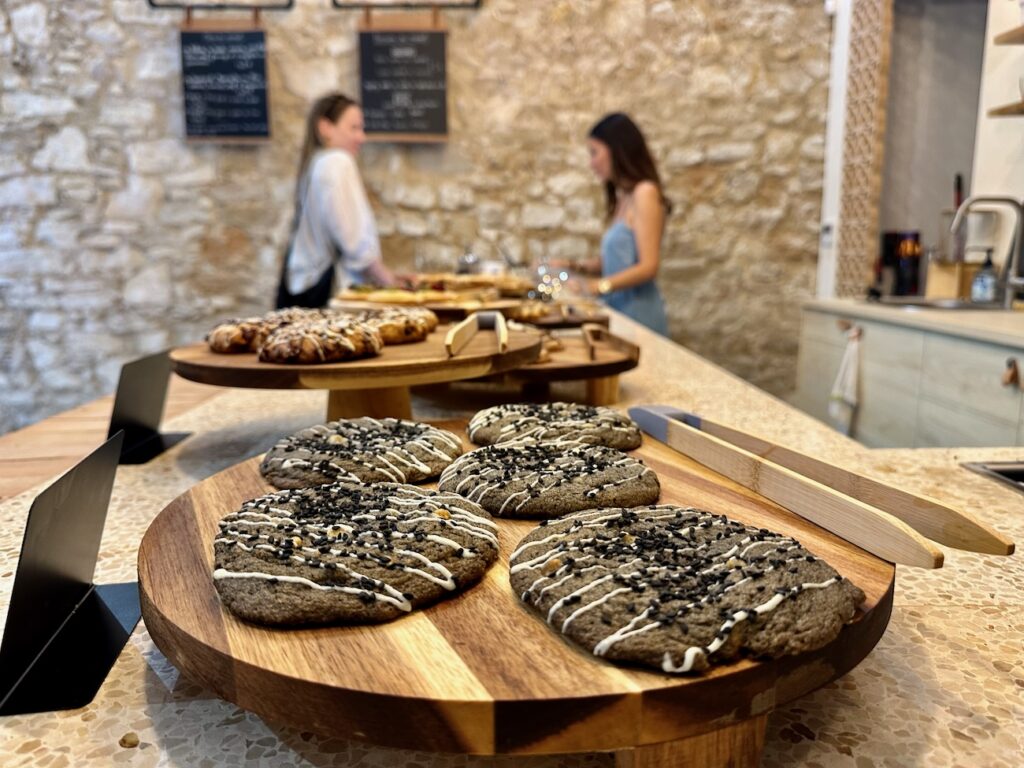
(63, 632)
(139, 406)
(72, 666)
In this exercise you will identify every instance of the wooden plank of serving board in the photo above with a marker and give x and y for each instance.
(480, 673)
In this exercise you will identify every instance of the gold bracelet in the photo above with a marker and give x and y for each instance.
(604, 286)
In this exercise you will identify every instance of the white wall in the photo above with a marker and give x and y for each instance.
(999, 146)
(999, 142)
(934, 76)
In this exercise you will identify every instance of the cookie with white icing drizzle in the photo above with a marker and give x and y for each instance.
(679, 588)
(360, 450)
(349, 553)
(522, 422)
(549, 479)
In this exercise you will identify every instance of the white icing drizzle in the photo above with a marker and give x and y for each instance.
(693, 652)
(303, 527)
(220, 573)
(679, 563)
(535, 469)
(532, 422)
(360, 449)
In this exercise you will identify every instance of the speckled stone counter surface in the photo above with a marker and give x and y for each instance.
(995, 327)
(944, 687)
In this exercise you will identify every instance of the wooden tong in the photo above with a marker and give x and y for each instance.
(458, 336)
(888, 522)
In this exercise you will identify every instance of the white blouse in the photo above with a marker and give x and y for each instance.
(336, 217)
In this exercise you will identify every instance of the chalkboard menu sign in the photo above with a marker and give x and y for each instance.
(224, 74)
(404, 91)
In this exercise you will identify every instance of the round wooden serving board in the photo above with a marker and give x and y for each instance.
(557, 320)
(574, 361)
(372, 386)
(481, 673)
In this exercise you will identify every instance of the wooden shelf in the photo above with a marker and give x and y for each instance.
(1010, 110)
(1014, 37)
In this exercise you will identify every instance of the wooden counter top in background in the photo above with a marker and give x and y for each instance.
(992, 326)
(44, 450)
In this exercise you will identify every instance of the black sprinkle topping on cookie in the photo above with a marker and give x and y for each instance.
(677, 588)
(554, 421)
(360, 450)
(549, 479)
(349, 553)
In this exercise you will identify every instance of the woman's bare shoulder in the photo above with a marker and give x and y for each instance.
(646, 193)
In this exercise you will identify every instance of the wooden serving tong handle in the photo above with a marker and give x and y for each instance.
(871, 529)
(939, 522)
(923, 515)
(458, 336)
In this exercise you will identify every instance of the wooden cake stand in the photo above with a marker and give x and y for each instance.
(480, 673)
(595, 355)
(373, 386)
(445, 310)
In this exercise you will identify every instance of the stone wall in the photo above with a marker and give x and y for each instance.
(117, 238)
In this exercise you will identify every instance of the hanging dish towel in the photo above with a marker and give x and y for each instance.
(842, 405)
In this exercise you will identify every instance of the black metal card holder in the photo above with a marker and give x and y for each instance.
(139, 406)
(64, 632)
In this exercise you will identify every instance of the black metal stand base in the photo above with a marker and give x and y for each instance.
(74, 663)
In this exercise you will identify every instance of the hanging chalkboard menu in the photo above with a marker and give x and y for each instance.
(404, 90)
(224, 75)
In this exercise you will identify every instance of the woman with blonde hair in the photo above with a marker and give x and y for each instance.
(334, 241)
(636, 209)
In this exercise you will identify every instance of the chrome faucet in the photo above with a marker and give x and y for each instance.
(1011, 278)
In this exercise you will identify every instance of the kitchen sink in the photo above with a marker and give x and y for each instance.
(920, 302)
(1009, 473)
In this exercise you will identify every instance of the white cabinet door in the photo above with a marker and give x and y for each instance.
(941, 425)
(966, 375)
(889, 385)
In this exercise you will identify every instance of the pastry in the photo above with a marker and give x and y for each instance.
(679, 588)
(549, 479)
(551, 421)
(349, 553)
(234, 336)
(399, 325)
(248, 334)
(360, 450)
(327, 341)
(279, 318)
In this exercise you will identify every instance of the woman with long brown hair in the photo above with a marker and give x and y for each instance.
(636, 211)
(334, 233)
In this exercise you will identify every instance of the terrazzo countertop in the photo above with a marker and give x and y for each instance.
(992, 326)
(944, 686)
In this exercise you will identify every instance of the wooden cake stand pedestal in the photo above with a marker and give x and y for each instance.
(480, 673)
(595, 356)
(374, 386)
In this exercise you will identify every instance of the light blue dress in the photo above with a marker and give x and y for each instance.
(641, 302)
